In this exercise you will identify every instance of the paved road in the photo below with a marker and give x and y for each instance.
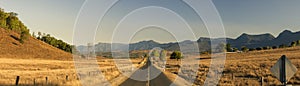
(160, 80)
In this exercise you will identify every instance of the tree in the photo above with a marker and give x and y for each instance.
(259, 48)
(163, 55)
(282, 46)
(155, 53)
(176, 55)
(298, 42)
(251, 49)
(228, 48)
(274, 47)
(266, 48)
(293, 44)
(23, 36)
(39, 33)
(244, 49)
(33, 35)
(235, 49)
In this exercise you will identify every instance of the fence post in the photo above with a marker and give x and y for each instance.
(46, 80)
(33, 81)
(67, 77)
(17, 80)
(262, 81)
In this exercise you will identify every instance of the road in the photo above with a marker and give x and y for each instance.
(160, 80)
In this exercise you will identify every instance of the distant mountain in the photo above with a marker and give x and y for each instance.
(204, 43)
(286, 37)
(254, 41)
(251, 41)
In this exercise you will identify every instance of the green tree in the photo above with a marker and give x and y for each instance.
(259, 48)
(282, 46)
(298, 42)
(33, 34)
(251, 49)
(235, 49)
(228, 48)
(266, 48)
(176, 55)
(23, 36)
(155, 53)
(163, 55)
(244, 49)
(293, 44)
(274, 47)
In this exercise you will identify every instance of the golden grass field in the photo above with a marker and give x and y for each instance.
(34, 60)
(248, 68)
(31, 71)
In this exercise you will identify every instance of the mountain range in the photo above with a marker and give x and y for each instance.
(204, 43)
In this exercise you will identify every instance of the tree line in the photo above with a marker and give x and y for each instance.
(53, 41)
(245, 49)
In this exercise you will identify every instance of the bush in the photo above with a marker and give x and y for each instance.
(251, 49)
(176, 55)
(293, 44)
(235, 49)
(259, 48)
(228, 48)
(266, 48)
(274, 47)
(23, 36)
(282, 46)
(244, 49)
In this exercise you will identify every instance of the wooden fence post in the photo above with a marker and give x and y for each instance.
(33, 81)
(262, 81)
(17, 80)
(67, 77)
(46, 80)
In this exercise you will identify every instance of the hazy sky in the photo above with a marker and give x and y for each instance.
(57, 17)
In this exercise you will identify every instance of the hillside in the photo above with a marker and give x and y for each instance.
(32, 48)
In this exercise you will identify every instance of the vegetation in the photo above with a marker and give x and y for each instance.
(228, 48)
(163, 55)
(155, 53)
(176, 55)
(10, 21)
(244, 49)
(55, 42)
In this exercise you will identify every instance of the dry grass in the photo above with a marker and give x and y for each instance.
(32, 48)
(247, 68)
(55, 70)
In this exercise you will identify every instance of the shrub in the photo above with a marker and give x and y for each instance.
(23, 36)
(293, 44)
(251, 49)
(228, 48)
(235, 49)
(244, 49)
(282, 46)
(274, 47)
(259, 48)
(176, 55)
(266, 48)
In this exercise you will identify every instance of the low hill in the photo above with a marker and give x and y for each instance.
(32, 48)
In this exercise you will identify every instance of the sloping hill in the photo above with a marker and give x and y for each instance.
(32, 48)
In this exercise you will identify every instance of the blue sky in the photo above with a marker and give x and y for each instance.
(57, 17)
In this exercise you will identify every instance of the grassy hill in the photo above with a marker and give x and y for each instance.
(10, 47)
